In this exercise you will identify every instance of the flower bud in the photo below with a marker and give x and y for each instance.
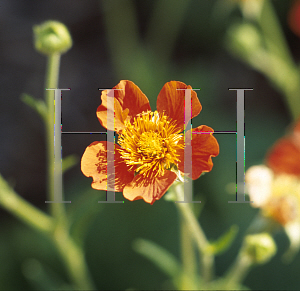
(260, 248)
(52, 37)
(245, 40)
(251, 9)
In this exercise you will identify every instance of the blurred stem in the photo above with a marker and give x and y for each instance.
(71, 254)
(272, 30)
(272, 55)
(51, 82)
(23, 210)
(73, 258)
(126, 50)
(237, 272)
(207, 259)
(187, 255)
(164, 28)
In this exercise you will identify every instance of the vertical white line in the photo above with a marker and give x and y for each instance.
(110, 196)
(188, 183)
(58, 179)
(188, 167)
(240, 146)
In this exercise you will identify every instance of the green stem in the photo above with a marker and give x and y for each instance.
(127, 52)
(71, 254)
(52, 74)
(187, 250)
(122, 33)
(207, 259)
(237, 272)
(272, 30)
(188, 257)
(163, 29)
(73, 258)
(284, 75)
(23, 210)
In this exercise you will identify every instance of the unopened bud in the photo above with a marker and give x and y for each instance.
(260, 248)
(245, 40)
(52, 37)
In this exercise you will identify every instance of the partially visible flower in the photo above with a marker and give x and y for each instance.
(284, 156)
(275, 188)
(278, 196)
(149, 154)
(294, 18)
(52, 37)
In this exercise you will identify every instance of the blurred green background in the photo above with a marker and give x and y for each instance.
(149, 43)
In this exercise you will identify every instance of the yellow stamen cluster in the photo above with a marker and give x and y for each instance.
(149, 145)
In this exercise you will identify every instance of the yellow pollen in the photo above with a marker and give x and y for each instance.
(149, 145)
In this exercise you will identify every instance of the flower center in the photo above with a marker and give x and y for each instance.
(150, 144)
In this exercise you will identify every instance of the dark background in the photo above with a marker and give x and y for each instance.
(149, 43)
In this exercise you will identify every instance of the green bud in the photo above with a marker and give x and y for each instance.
(252, 9)
(260, 248)
(52, 37)
(244, 39)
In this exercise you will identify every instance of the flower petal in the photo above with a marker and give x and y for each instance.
(284, 157)
(172, 101)
(94, 164)
(204, 147)
(259, 184)
(128, 102)
(294, 18)
(150, 191)
(283, 209)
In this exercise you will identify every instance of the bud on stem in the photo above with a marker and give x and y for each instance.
(52, 37)
(260, 248)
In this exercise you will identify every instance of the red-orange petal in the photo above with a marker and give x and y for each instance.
(172, 101)
(94, 164)
(150, 191)
(284, 156)
(204, 147)
(294, 18)
(128, 102)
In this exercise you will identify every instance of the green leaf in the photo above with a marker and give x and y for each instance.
(223, 243)
(42, 277)
(159, 256)
(68, 162)
(38, 105)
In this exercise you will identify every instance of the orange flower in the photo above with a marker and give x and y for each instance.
(284, 157)
(150, 149)
(275, 188)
